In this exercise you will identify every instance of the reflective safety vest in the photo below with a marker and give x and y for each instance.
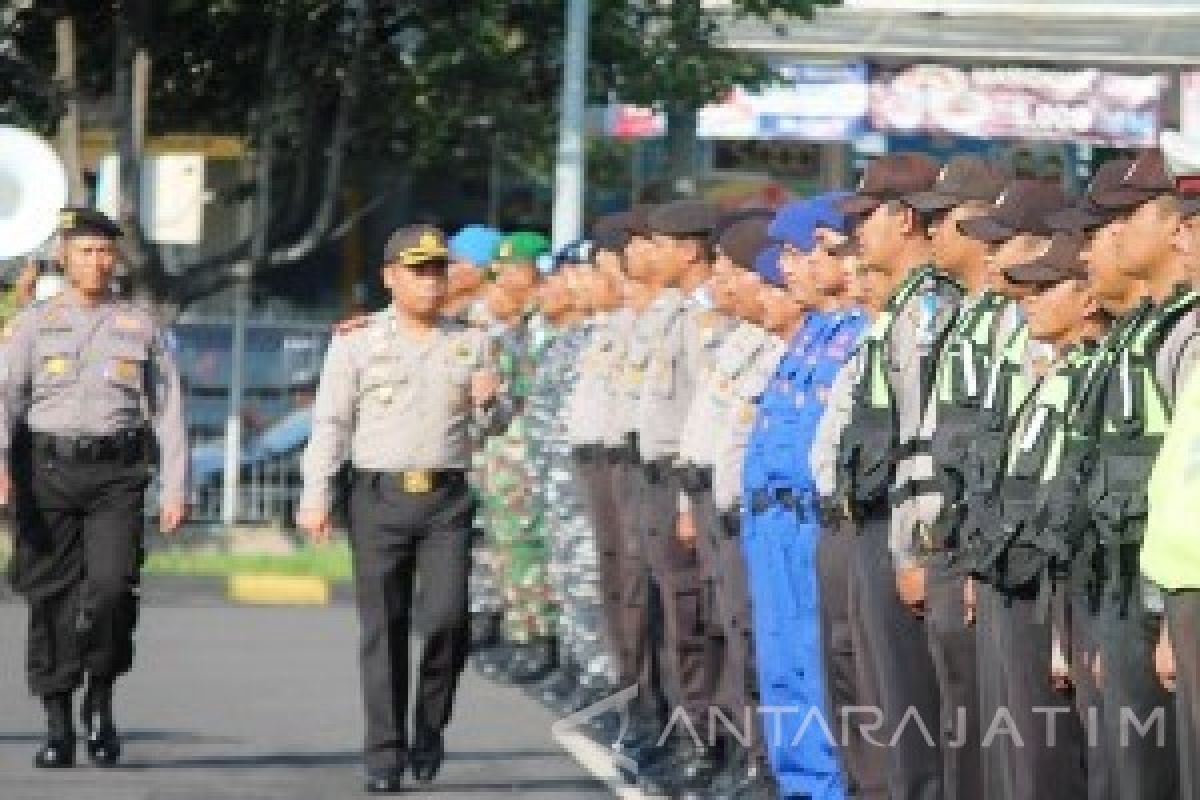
(1028, 544)
(1133, 420)
(1171, 548)
(870, 449)
(1005, 394)
(962, 383)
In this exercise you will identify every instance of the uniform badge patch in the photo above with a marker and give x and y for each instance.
(125, 370)
(124, 322)
(384, 394)
(56, 365)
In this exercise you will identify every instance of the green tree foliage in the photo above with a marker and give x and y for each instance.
(434, 81)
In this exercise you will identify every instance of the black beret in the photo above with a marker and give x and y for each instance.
(745, 239)
(80, 221)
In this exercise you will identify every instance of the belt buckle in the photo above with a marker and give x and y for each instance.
(417, 481)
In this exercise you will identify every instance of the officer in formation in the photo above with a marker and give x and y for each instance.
(88, 390)
(407, 431)
(886, 458)
(780, 534)
(585, 665)
(518, 643)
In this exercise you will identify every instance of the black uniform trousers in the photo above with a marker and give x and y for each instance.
(952, 647)
(1046, 748)
(720, 552)
(639, 658)
(864, 763)
(411, 561)
(687, 652)
(1144, 765)
(896, 667)
(77, 561)
(1083, 622)
(1183, 617)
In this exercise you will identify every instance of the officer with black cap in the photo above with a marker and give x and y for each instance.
(88, 385)
(403, 398)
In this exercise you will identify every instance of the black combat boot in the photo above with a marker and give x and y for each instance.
(58, 751)
(103, 743)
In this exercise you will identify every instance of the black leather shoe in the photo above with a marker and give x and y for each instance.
(103, 743)
(538, 659)
(58, 750)
(55, 754)
(384, 782)
(425, 760)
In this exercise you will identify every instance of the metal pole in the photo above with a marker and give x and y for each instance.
(572, 136)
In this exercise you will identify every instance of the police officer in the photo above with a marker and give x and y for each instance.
(472, 250)
(779, 535)
(709, 440)
(1169, 552)
(863, 761)
(1138, 275)
(88, 380)
(596, 445)
(883, 453)
(965, 187)
(673, 342)
(1014, 623)
(398, 399)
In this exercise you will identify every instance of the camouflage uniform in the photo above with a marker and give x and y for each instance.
(573, 558)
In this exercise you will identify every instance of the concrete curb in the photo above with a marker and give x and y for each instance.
(597, 759)
(278, 590)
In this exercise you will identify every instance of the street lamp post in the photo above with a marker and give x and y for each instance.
(569, 173)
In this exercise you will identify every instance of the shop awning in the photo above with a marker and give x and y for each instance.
(1152, 41)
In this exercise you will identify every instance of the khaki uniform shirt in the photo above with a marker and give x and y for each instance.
(672, 345)
(712, 398)
(391, 400)
(734, 421)
(74, 370)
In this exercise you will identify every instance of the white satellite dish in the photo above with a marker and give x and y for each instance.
(33, 189)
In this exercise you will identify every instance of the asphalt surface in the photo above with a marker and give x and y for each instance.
(262, 703)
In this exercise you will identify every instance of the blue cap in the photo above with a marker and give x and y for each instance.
(475, 243)
(796, 223)
(766, 264)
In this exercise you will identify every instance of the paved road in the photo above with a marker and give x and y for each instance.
(262, 704)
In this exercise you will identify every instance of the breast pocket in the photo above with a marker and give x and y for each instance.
(383, 384)
(55, 368)
(125, 366)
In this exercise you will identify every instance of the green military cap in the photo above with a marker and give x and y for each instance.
(522, 247)
(413, 245)
(82, 221)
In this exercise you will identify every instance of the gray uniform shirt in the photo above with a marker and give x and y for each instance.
(675, 342)
(589, 403)
(712, 398)
(916, 333)
(838, 408)
(390, 400)
(75, 370)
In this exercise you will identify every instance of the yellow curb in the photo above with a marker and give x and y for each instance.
(278, 590)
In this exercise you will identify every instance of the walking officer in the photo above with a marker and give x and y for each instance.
(401, 399)
(88, 381)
